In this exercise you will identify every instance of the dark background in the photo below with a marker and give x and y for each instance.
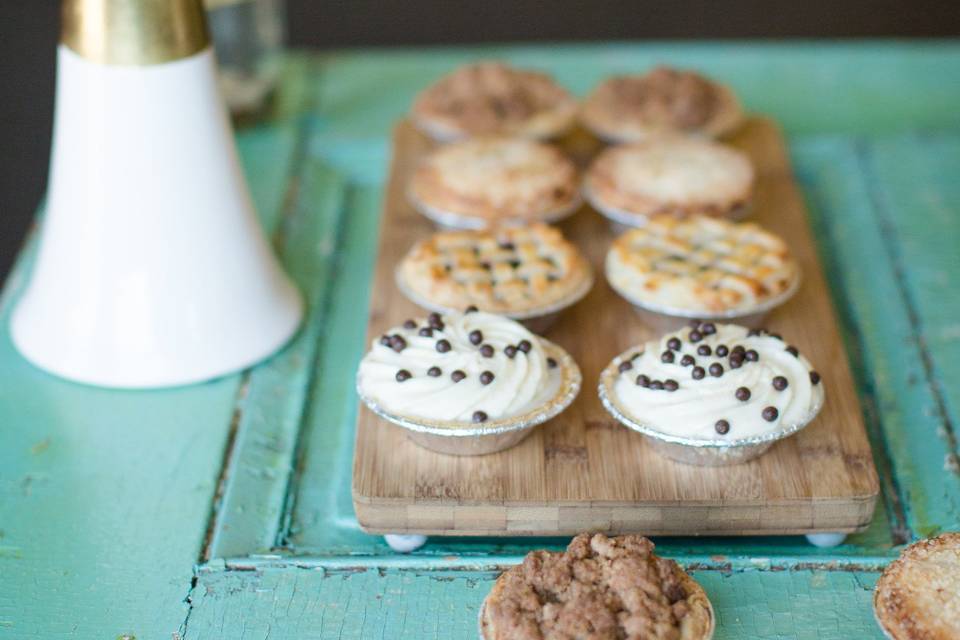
(29, 28)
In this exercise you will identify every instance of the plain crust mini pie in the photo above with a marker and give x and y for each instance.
(633, 107)
(702, 267)
(486, 181)
(599, 587)
(673, 175)
(494, 98)
(918, 596)
(517, 271)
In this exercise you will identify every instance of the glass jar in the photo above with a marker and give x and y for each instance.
(248, 37)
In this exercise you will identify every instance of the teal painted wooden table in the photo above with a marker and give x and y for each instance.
(223, 510)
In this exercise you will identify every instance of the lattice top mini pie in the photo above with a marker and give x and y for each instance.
(517, 271)
(484, 181)
(701, 265)
(633, 107)
(494, 98)
(674, 175)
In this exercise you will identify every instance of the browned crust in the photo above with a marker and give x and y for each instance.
(918, 595)
(697, 623)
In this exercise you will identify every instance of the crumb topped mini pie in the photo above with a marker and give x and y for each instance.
(669, 175)
(486, 181)
(599, 587)
(633, 107)
(466, 383)
(494, 98)
(918, 595)
(713, 393)
(702, 267)
(520, 272)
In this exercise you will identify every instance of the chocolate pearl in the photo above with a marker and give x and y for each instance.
(551, 363)
(403, 374)
(755, 332)
(510, 351)
(507, 246)
(780, 383)
(656, 385)
(479, 416)
(666, 356)
(486, 377)
(716, 369)
(743, 394)
(643, 380)
(626, 365)
(435, 322)
(397, 343)
(792, 350)
(671, 385)
(722, 426)
(475, 337)
(708, 328)
(752, 355)
(687, 360)
(698, 373)
(674, 343)
(814, 377)
(770, 414)
(457, 375)
(434, 372)
(443, 346)
(704, 350)
(426, 332)
(409, 324)
(486, 351)
(722, 350)
(695, 336)
(525, 346)
(471, 309)
(694, 324)
(739, 349)
(735, 362)
(385, 341)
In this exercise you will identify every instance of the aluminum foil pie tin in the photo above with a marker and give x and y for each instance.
(695, 451)
(538, 319)
(470, 439)
(663, 319)
(451, 220)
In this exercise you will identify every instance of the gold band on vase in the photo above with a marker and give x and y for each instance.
(134, 32)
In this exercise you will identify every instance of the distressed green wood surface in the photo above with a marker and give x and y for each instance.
(369, 603)
(107, 499)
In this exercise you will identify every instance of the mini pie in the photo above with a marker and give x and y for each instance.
(701, 265)
(478, 182)
(494, 98)
(517, 271)
(918, 596)
(633, 107)
(679, 176)
(599, 587)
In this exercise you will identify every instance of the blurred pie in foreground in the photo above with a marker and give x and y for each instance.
(516, 271)
(633, 107)
(486, 181)
(679, 176)
(494, 98)
(701, 265)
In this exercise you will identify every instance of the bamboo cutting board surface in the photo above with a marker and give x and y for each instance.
(584, 471)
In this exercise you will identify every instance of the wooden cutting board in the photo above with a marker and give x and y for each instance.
(583, 471)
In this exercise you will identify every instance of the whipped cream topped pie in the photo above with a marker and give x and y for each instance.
(516, 271)
(702, 266)
(670, 175)
(632, 107)
(599, 587)
(494, 98)
(466, 369)
(714, 382)
(485, 181)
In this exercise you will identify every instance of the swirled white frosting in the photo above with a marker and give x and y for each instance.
(695, 407)
(520, 383)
